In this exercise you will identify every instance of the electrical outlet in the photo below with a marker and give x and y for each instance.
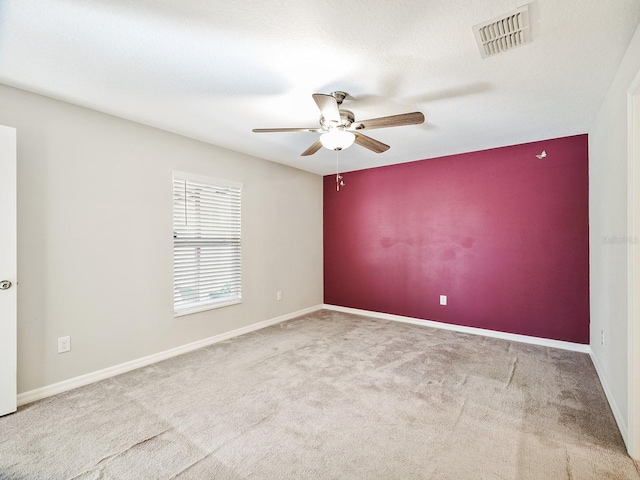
(278, 295)
(443, 299)
(64, 344)
(602, 337)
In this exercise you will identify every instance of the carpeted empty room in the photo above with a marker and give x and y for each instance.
(330, 396)
(309, 240)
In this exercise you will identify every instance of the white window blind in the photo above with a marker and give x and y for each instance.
(207, 262)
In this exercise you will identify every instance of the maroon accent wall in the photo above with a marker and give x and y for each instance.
(502, 234)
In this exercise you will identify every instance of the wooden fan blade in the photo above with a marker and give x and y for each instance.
(370, 143)
(272, 130)
(413, 118)
(312, 149)
(328, 105)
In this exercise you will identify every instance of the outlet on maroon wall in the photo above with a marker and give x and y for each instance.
(503, 234)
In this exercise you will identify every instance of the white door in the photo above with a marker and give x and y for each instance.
(633, 245)
(8, 271)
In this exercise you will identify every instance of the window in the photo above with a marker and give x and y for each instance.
(207, 262)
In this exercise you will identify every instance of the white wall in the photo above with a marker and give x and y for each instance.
(95, 238)
(608, 157)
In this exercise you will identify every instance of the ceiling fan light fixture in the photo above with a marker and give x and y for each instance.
(337, 139)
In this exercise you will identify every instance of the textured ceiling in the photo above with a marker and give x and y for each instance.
(213, 70)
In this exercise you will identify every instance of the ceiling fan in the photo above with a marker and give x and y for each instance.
(340, 130)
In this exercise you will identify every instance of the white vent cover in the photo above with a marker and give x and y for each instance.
(503, 33)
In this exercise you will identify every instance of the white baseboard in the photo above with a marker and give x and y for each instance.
(545, 342)
(622, 426)
(70, 384)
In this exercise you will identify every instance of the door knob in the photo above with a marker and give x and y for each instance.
(5, 285)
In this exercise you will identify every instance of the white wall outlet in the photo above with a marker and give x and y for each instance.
(278, 295)
(443, 299)
(602, 337)
(64, 344)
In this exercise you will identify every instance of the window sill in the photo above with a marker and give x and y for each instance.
(203, 308)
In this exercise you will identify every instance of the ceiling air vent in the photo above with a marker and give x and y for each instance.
(503, 33)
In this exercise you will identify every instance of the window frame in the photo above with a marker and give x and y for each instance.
(212, 182)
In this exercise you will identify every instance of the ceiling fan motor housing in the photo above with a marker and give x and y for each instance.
(346, 119)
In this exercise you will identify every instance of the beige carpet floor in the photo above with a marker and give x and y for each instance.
(330, 396)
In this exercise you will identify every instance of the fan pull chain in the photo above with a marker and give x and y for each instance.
(339, 181)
